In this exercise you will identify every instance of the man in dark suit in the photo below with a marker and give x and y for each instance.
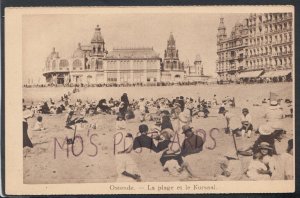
(192, 142)
(144, 141)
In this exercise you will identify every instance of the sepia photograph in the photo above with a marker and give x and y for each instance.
(165, 96)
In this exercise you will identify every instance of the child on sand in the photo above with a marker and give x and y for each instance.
(39, 124)
(255, 166)
(231, 168)
(127, 169)
(120, 123)
(246, 121)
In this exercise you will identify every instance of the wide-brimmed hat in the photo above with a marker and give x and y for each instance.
(273, 103)
(265, 145)
(186, 128)
(265, 129)
(245, 110)
(27, 114)
(167, 133)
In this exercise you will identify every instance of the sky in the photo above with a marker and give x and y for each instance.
(194, 34)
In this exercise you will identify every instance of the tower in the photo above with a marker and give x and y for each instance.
(198, 65)
(97, 43)
(221, 30)
(171, 58)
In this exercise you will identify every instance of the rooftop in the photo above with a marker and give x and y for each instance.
(135, 53)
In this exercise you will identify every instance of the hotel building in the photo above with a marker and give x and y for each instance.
(266, 51)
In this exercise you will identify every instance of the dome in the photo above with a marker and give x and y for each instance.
(53, 54)
(198, 58)
(78, 53)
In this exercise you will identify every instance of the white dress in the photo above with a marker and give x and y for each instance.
(252, 171)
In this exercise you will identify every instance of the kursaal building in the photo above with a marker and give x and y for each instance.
(93, 64)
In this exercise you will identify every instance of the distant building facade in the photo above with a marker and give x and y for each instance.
(231, 50)
(132, 65)
(194, 72)
(93, 64)
(267, 46)
(86, 65)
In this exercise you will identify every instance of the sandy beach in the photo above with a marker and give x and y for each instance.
(91, 159)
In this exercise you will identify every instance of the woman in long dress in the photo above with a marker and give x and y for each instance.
(26, 141)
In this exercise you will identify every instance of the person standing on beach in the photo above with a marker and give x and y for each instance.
(142, 108)
(26, 140)
(124, 99)
(232, 122)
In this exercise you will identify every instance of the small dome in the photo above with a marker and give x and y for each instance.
(78, 53)
(53, 54)
(198, 58)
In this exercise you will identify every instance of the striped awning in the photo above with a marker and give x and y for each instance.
(250, 74)
(277, 73)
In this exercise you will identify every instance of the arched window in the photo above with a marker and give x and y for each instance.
(48, 65)
(53, 64)
(99, 64)
(63, 63)
(89, 79)
(76, 64)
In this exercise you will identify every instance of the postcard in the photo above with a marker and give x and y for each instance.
(149, 100)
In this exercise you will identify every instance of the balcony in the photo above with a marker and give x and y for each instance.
(231, 58)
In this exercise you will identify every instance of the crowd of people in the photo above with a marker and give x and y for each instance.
(171, 119)
(138, 84)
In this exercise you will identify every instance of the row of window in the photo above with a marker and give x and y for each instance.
(271, 27)
(275, 50)
(277, 38)
(260, 63)
(268, 50)
(269, 61)
(270, 16)
(232, 44)
(136, 77)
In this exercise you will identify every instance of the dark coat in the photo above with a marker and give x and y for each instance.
(166, 123)
(144, 141)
